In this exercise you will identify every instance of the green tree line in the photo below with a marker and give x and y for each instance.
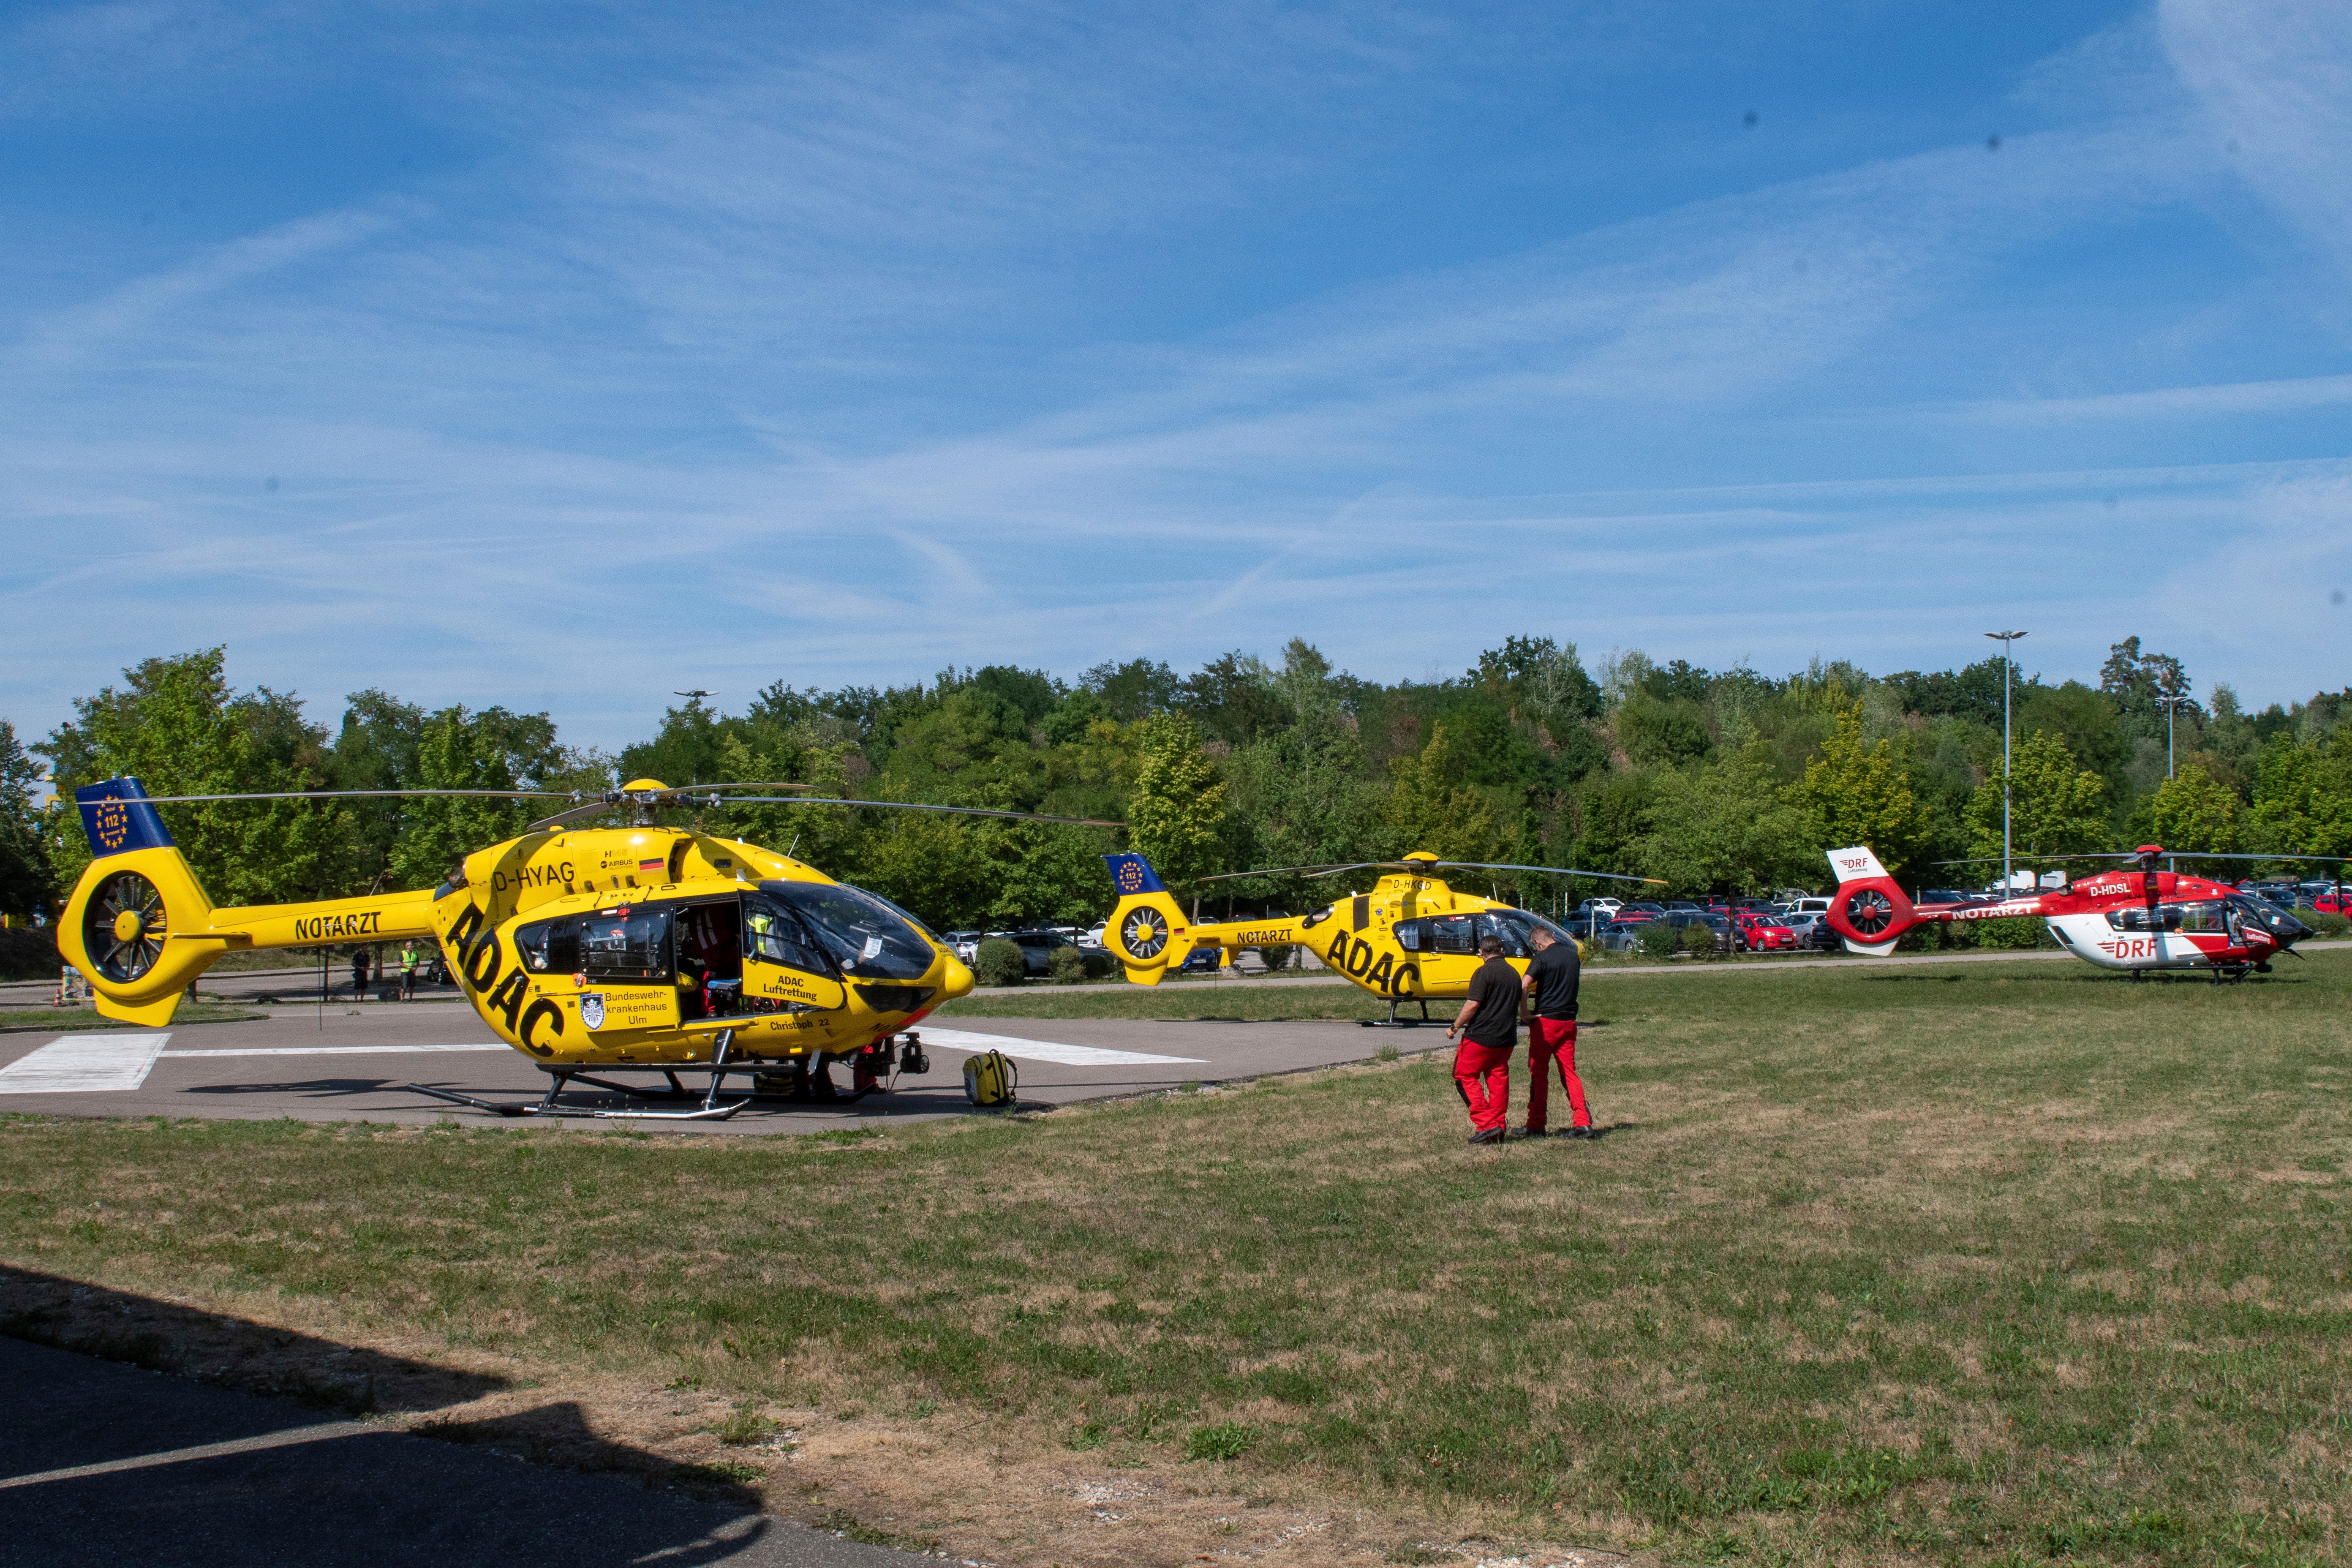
(1716, 780)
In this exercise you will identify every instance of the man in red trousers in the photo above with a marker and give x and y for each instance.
(1550, 988)
(1489, 1027)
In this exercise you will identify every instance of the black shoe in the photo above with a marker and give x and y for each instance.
(1487, 1135)
(1580, 1132)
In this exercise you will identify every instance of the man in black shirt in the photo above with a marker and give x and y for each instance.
(1551, 990)
(1489, 1027)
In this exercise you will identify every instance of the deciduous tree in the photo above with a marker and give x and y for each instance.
(1178, 803)
(2057, 806)
(1852, 793)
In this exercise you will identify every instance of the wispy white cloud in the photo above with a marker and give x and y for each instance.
(2276, 77)
(781, 348)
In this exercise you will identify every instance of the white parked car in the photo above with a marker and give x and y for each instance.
(1094, 937)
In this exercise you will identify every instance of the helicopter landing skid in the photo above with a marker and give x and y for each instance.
(711, 1110)
(1394, 1022)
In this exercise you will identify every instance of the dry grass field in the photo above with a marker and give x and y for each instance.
(2003, 1264)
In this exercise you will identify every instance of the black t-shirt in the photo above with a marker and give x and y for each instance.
(1496, 989)
(1555, 972)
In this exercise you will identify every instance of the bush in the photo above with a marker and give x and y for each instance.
(2324, 925)
(30, 952)
(1065, 966)
(998, 962)
(1657, 939)
(1698, 939)
(2012, 931)
(1276, 958)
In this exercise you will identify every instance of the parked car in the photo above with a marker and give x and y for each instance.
(1814, 933)
(1204, 960)
(1601, 905)
(1620, 935)
(1643, 908)
(1037, 945)
(1724, 938)
(965, 944)
(1764, 934)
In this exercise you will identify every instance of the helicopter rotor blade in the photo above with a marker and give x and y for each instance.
(361, 794)
(1313, 871)
(693, 788)
(1323, 871)
(1554, 870)
(918, 805)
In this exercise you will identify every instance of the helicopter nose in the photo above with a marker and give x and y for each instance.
(957, 979)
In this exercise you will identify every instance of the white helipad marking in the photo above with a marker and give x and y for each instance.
(324, 1050)
(1042, 1050)
(81, 1064)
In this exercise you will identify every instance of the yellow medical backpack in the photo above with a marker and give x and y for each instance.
(989, 1078)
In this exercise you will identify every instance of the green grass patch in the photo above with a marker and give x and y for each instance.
(1983, 1264)
(87, 1020)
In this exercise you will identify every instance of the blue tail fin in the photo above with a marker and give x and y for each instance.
(118, 819)
(1132, 874)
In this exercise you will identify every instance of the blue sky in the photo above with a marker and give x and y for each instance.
(563, 357)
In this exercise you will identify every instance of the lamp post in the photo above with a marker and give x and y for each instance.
(2172, 703)
(2005, 639)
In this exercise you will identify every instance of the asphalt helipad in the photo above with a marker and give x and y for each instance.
(343, 1063)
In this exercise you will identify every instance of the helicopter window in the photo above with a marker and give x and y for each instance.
(549, 946)
(2204, 917)
(866, 937)
(1452, 933)
(773, 933)
(1408, 935)
(627, 947)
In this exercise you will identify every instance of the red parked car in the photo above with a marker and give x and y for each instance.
(1762, 933)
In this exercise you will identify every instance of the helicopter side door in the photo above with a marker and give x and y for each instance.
(785, 968)
(1447, 953)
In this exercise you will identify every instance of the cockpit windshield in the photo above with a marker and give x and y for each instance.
(1517, 928)
(866, 937)
(2266, 916)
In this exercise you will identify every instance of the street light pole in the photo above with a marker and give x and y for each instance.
(2005, 639)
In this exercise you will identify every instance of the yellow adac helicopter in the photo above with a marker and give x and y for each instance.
(624, 950)
(1413, 937)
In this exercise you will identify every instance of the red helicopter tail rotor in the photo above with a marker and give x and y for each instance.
(1869, 910)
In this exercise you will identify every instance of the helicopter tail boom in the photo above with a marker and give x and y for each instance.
(142, 927)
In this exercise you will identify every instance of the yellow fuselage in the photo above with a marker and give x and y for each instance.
(610, 947)
(1410, 936)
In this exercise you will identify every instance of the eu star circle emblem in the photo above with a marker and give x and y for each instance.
(1130, 877)
(114, 823)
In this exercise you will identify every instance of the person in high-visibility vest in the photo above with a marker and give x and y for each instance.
(408, 971)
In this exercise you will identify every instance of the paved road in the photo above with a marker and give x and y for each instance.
(101, 1462)
(354, 1064)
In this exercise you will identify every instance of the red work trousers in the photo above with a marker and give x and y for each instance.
(1553, 1040)
(1483, 1075)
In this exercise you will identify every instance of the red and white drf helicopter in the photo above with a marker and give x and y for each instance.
(2134, 918)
